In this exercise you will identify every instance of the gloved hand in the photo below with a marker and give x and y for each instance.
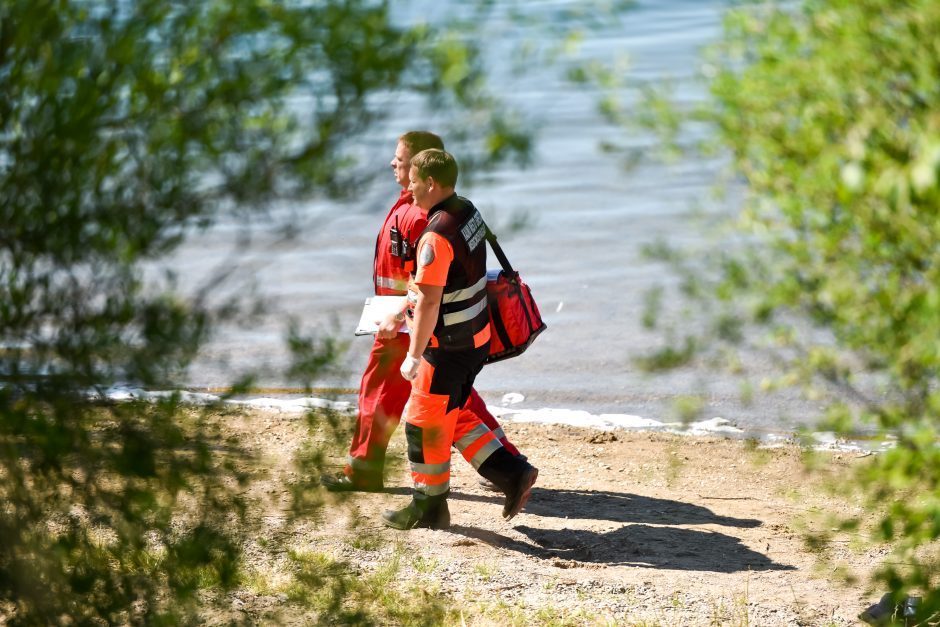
(409, 368)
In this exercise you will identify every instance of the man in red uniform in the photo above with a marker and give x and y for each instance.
(449, 337)
(383, 392)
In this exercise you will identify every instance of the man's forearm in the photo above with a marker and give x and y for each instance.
(425, 319)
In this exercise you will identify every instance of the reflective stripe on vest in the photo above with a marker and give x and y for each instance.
(463, 320)
(464, 315)
(392, 284)
(466, 293)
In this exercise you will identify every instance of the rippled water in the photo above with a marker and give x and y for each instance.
(581, 253)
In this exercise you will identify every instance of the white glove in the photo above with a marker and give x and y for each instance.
(409, 368)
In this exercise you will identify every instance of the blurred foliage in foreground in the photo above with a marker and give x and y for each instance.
(123, 125)
(831, 113)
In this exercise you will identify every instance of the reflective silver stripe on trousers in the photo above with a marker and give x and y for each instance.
(432, 490)
(464, 314)
(363, 464)
(430, 469)
(392, 284)
(464, 294)
(484, 453)
(478, 432)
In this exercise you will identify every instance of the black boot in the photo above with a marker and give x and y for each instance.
(434, 515)
(489, 486)
(513, 476)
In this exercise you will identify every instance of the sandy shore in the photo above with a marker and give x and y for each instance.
(622, 528)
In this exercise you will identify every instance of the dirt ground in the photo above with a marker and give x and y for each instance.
(623, 528)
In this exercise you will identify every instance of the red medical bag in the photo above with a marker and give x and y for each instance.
(515, 321)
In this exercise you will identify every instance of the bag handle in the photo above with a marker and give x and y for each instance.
(503, 260)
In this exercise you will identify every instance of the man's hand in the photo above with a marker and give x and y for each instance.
(388, 328)
(409, 367)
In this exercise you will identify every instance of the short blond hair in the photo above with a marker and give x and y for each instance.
(437, 164)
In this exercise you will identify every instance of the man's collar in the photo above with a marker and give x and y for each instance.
(442, 205)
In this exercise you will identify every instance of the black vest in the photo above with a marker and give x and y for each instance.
(463, 311)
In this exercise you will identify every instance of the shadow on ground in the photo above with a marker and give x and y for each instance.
(653, 537)
(652, 547)
(616, 507)
(638, 545)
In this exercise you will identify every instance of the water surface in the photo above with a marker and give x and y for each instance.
(581, 253)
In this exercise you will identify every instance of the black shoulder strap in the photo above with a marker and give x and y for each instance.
(503, 260)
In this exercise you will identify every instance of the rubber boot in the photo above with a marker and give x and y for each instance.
(488, 485)
(430, 513)
(513, 476)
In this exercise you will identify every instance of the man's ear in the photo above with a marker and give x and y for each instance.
(431, 183)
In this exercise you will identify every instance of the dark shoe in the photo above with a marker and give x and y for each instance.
(411, 517)
(489, 485)
(518, 494)
(341, 482)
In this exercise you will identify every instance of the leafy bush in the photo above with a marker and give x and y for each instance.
(830, 112)
(123, 126)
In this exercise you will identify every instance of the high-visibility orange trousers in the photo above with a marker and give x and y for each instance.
(382, 396)
(434, 420)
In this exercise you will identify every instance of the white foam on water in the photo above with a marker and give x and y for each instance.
(829, 441)
(284, 405)
(121, 393)
(575, 418)
(511, 398)
(294, 405)
(777, 440)
(712, 425)
(824, 441)
(609, 422)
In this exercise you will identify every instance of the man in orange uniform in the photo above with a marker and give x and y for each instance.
(383, 392)
(449, 337)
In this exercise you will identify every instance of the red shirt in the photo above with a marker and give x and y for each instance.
(390, 275)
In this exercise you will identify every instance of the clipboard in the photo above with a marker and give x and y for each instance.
(376, 309)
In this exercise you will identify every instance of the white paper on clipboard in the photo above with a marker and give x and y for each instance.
(376, 309)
